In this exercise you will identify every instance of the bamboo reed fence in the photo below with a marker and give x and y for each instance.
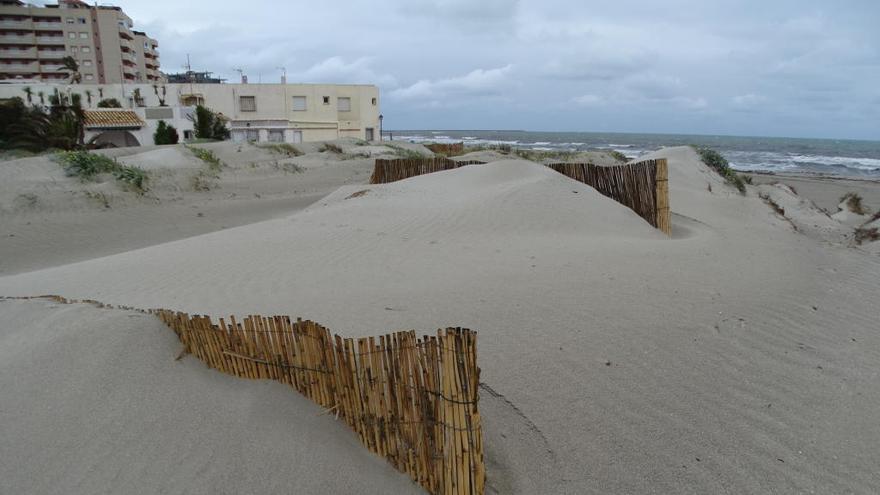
(643, 186)
(411, 400)
(386, 171)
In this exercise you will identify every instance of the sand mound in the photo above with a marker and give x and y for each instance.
(177, 157)
(462, 217)
(802, 214)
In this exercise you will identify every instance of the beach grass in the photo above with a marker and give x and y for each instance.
(88, 166)
(720, 164)
(212, 160)
(281, 148)
(854, 203)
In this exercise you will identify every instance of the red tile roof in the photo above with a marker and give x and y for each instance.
(112, 119)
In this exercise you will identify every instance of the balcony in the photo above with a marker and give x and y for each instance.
(11, 10)
(50, 40)
(19, 24)
(20, 39)
(51, 54)
(48, 26)
(124, 32)
(44, 67)
(25, 68)
(27, 53)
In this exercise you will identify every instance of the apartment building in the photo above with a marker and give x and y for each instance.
(291, 113)
(34, 39)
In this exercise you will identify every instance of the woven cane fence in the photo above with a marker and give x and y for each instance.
(410, 399)
(386, 171)
(643, 187)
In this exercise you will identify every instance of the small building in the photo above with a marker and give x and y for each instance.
(114, 127)
(290, 113)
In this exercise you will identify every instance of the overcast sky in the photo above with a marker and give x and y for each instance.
(765, 67)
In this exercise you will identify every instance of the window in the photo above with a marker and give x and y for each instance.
(86, 49)
(374, 102)
(74, 49)
(89, 77)
(299, 103)
(87, 63)
(71, 35)
(344, 104)
(146, 45)
(82, 20)
(326, 100)
(276, 136)
(84, 35)
(70, 20)
(247, 103)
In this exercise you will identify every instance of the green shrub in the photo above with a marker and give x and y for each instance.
(86, 165)
(720, 164)
(109, 103)
(209, 125)
(134, 177)
(208, 157)
(165, 134)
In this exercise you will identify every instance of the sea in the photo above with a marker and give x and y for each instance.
(838, 157)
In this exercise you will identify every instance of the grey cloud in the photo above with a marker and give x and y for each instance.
(793, 65)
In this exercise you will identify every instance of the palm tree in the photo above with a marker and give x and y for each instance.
(29, 93)
(80, 117)
(69, 64)
(42, 98)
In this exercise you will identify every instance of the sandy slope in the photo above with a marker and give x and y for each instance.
(133, 420)
(49, 219)
(739, 356)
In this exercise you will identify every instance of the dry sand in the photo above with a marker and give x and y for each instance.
(740, 356)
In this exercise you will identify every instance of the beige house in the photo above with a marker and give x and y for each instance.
(289, 113)
(34, 39)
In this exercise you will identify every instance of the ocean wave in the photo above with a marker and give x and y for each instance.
(850, 162)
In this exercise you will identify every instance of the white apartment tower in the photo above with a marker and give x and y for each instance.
(34, 39)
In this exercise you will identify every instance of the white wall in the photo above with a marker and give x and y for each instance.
(274, 101)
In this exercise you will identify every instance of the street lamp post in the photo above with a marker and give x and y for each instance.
(381, 117)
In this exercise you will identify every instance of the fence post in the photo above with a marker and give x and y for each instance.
(662, 195)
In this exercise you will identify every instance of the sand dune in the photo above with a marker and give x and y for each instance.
(738, 356)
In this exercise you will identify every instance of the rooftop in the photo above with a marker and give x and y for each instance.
(112, 119)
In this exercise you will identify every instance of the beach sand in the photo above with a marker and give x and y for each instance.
(738, 356)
